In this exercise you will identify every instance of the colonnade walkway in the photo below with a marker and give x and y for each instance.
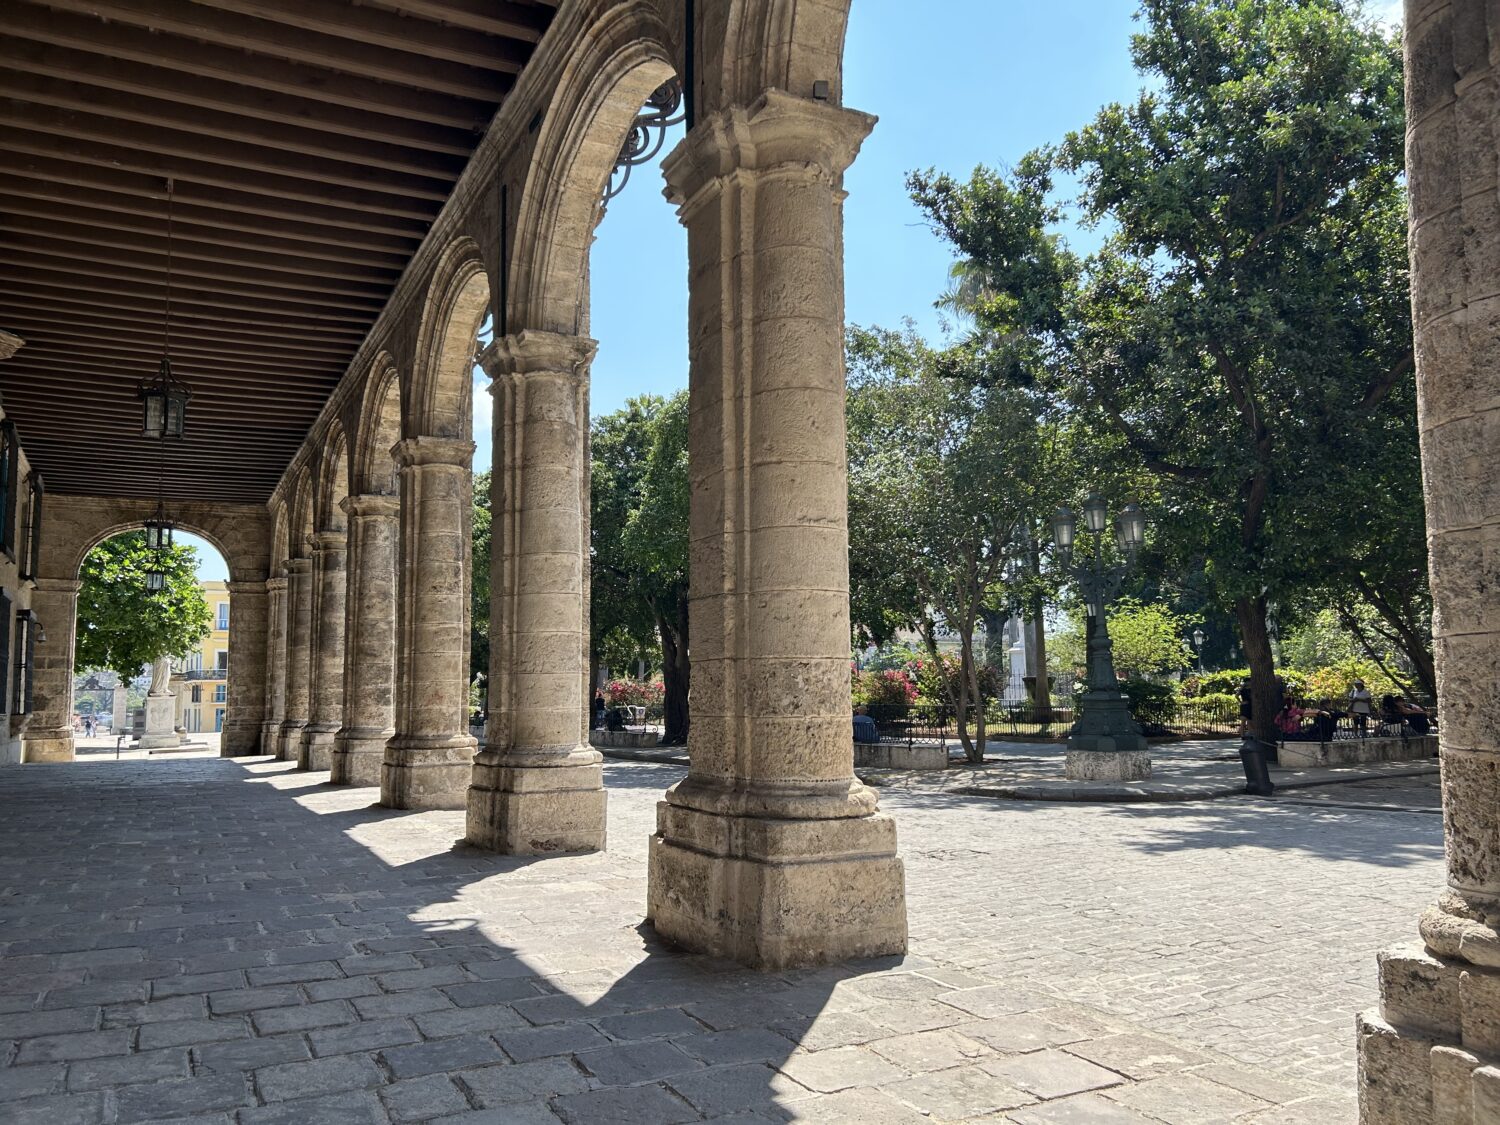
(232, 940)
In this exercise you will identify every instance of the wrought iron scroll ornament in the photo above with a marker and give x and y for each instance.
(648, 133)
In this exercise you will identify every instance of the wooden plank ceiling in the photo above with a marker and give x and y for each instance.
(311, 143)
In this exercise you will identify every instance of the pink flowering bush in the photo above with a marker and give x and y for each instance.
(634, 693)
(884, 687)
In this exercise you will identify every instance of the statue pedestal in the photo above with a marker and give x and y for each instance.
(159, 732)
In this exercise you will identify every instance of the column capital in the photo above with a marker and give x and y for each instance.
(329, 540)
(237, 588)
(371, 504)
(273, 585)
(57, 585)
(778, 130)
(298, 566)
(535, 352)
(432, 450)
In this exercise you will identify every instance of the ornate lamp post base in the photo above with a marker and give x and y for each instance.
(1107, 765)
(1106, 744)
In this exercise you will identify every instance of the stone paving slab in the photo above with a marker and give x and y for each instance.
(233, 941)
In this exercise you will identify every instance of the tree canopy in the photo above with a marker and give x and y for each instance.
(123, 626)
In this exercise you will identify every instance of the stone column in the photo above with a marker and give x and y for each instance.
(120, 716)
(429, 759)
(246, 691)
(770, 852)
(537, 785)
(369, 641)
(326, 659)
(298, 638)
(48, 734)
(270, 728)
(1431, 1054)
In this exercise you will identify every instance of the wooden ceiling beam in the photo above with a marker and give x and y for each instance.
(59, 328)
(151, 248)
(107, 292)
(128, 305)
(120, 169)
(220, 127)
(78, 224)
(24, 56)
(144, 197)
(227, 162)
(514, 21)
(49, 267)
(330, 339)
(378, 28)
(143, 355)
(310, 48)
(246, 404)
(229, 65)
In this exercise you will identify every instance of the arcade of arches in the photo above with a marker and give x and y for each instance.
(350, 579)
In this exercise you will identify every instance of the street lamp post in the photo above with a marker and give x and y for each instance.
(1106, 744)
(1198, 648)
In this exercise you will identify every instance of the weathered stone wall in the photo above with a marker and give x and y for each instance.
(1429, 1054)
(20, 594)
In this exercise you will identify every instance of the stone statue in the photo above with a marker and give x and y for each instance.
(161, 675)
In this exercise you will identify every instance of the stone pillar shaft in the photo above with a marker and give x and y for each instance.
(326, 652)
(770, 852)
(298, 638)
(275, 664)
(537, 786)
(369, 641)
(1429, 1054)
(48, 734)
(245, 694)
(428, 760)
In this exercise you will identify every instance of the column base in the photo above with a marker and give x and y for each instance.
(1106, 765)
(315, 748)
(357, 757)
(420, 774)
(290, 739)
(537, 810)
(47, 746)
(270, 736)
(776, 894)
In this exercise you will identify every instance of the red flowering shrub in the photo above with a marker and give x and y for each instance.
(634, 693)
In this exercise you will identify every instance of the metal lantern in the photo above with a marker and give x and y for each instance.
(1197, 638)
(1133, 527)
(1063, 528)
(163, 404)
(159, 529)
(1095, 512)
(156, 579)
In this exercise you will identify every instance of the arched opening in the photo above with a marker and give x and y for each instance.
(151, 671)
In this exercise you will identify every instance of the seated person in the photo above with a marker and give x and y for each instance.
(1325, 720)
(1289, 719)
(864, 726)
(1409, 713)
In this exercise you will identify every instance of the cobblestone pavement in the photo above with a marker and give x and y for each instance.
(209, 940)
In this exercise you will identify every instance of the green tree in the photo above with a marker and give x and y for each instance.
(479, 582)
(639, 544)
(1246, 327)
(123, 626)
(1148, 639)
(936, 502)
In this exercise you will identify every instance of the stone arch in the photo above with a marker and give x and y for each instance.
(331, 483)
(279, 535)
(749, 46)
(620, 59)
(438, 402)
(372, 467)
(301, 525)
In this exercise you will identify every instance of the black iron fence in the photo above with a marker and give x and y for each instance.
(1339, 726)
(1022, 718)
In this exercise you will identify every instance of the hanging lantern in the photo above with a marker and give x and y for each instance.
(164, 404)
(159, 529)
(156, 578)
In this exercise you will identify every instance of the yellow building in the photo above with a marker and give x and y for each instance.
(206, 676)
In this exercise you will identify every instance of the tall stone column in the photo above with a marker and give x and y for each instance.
(298, 639)
(537, 785)
(370, 641)
(120, 714)
(270, 728)
(770, 852)
(1431, 1054)
(246, 691)
(429, 759)
(48, 734)
(326, 652)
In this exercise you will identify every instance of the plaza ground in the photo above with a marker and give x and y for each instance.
(196, 938)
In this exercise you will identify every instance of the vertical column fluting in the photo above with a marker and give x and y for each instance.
(369, 641)
(48, 734)
(429, 758)
(298, 638)
(326, 652)
(246, 692)
(275, 674)
(1431, 1052)
(537, 785)
(770, 852)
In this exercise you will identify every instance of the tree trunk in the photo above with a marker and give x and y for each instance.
(1041, 692)
(676, 676)
(1265, 699)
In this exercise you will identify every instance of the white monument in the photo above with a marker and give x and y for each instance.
(1015, 687)
(160, 709)
(120, 723)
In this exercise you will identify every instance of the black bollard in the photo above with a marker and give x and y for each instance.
(1255, 756)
